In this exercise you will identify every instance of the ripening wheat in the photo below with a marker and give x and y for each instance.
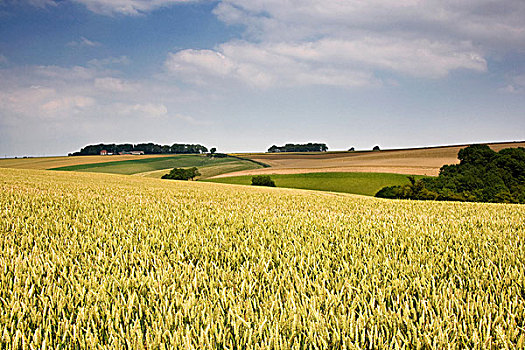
(102, 261)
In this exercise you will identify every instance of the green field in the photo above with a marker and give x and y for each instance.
(156, 167)
(356, 183)
(93, 261)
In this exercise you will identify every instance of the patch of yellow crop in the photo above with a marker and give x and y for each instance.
(107, 261)
(42, 163)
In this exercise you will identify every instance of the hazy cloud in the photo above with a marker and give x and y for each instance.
(127, 7)
(115, 85)
(35, 3)
(122, 60)
(66, 105)
(83, 42)
(25, 100)
(149, 110)
(58, 73)
(516, 84)
(191, 120)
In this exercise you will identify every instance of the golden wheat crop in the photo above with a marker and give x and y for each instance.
(104, 261)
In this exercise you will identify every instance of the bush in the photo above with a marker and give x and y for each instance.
(262, 180)
(389, 192)
(376, 148)
(182, 174)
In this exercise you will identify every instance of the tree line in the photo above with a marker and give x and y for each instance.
(147, 148)
(291, 147)
(482, 175)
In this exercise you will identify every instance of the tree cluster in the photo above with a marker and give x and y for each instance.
(262, 180)
(308, 147)
(482, 175)
(147, 148)
(182, 174)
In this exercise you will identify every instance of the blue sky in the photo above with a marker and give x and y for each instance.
(242, 75)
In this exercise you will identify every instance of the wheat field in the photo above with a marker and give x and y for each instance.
(108, 261)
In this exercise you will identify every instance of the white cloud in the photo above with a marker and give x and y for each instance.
(485, 21)
(83, 42)
(127, 7)
(92, 91)
(352, 42)
(41, 101)
(66, 106)
(334, 62)
(259, 66)
(55, 91)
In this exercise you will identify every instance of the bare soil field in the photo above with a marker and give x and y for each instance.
(417, 161)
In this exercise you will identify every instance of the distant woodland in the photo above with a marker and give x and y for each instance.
(482, 175)
(290, 147)
(147, 148)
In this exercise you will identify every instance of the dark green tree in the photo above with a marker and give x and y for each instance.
(482, 175)
(182, 174)
(263, 180)
(147, 148)
(291, 147)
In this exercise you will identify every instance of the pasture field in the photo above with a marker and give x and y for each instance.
(357, 183)
(108, 261)
(418, 161)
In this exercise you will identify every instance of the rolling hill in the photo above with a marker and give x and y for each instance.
(140, 165)
(416, 161)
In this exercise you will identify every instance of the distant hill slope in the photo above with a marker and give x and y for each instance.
(417, 161)
(43, 163)
(142, 165)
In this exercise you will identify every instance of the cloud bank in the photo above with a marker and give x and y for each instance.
(352, 43)
(128, 7)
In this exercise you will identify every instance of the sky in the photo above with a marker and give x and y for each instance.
(242, 75)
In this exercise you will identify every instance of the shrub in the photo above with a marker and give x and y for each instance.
(182, 174)
(262, 180)
(389, 192)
